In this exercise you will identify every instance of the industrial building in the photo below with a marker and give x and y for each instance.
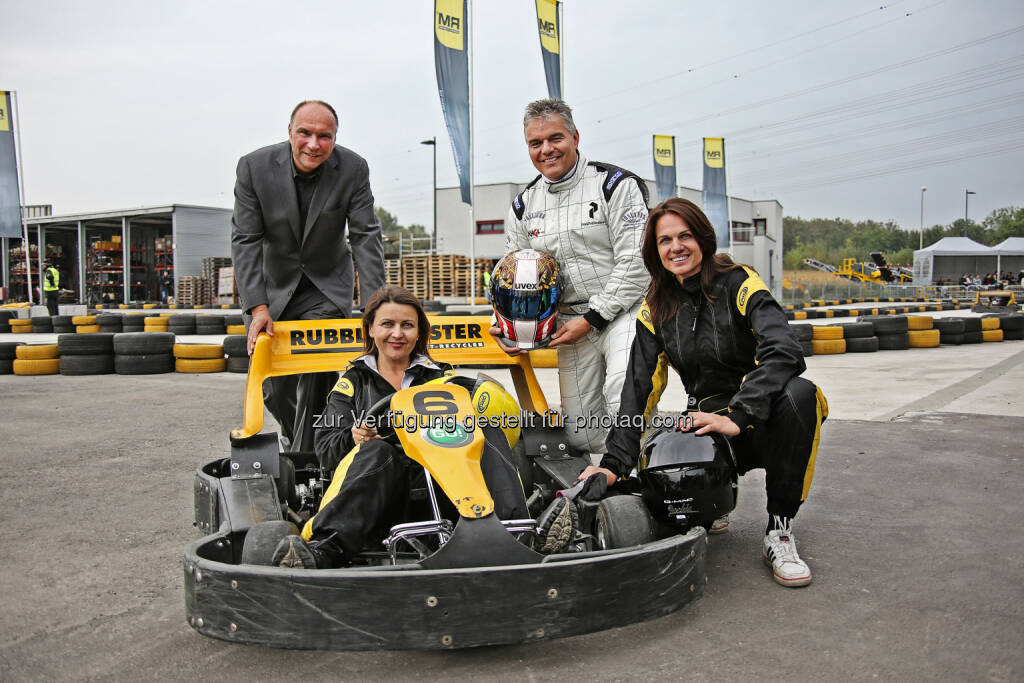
(756, 226)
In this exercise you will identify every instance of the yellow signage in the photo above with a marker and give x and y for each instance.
(663, 150)
(5, 119)
(449, 24)
(713, 156)
(547, 24)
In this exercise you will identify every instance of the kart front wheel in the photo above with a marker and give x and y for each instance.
(624, 521)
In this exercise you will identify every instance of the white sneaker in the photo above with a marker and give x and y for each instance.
(719, 526)
(780, 552)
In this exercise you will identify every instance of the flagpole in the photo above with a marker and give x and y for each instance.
(21, 197)
(561, 48)
(472, 203)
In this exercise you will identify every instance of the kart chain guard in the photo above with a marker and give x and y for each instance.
(255, 456)
(480, 542)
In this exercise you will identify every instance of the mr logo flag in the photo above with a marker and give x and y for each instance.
(10, 202)
(550, 52)
(714, 198)
(665, 166)
(451, 61)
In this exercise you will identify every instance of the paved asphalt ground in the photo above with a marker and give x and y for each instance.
(914, 529)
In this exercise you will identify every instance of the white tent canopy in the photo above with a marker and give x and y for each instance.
(1010, 255)
(951, 257)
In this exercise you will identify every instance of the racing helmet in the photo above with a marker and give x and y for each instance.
(687, 480)
(492, 403)
(525, 291)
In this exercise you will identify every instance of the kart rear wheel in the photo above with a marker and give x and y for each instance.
(622, 522)
(262, 539)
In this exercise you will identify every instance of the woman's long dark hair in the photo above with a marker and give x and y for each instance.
(393, 294)
(660, 295)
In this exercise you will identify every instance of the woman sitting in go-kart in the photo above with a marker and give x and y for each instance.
(371, 477)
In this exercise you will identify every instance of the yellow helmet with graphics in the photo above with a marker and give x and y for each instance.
(492, 403)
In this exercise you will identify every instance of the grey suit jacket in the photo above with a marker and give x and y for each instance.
(270, 250)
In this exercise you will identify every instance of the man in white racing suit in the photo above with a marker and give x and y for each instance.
(590, 217)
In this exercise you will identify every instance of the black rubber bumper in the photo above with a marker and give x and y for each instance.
(410, 608)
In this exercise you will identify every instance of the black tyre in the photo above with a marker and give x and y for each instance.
(894, 342)
(624, 521)
(1013, 335)
(6, 366)
(85, 344)
(234, 319)
(802, 331)
(971, 324)
(1007, 321)
(152, 364)
(109, 319)
(210, 325)
(973, 337)
(42, 324)
(949, 325)
(181, 330)
(235, 346)
(285, 484)
(261, 540)
(862, 345)
(886, 324)
(143, 343)
(951, 338)
(237, 364)
(858, 331)
(181, 319)
(98, 364)
(62, 320)
(808, 347)
(7, 349)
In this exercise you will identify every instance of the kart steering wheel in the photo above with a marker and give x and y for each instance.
(385, 427)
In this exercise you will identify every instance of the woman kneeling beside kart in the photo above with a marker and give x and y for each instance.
(372, 477)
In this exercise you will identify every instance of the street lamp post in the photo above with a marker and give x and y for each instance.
(433, 144)
(923, 190)
(967, 194)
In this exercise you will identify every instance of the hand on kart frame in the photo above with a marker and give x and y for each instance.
(261, 321)
(594, 469)
(707, 422)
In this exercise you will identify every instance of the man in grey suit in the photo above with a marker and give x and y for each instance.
(289, 249)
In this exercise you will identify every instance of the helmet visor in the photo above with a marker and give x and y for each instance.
(534, 305)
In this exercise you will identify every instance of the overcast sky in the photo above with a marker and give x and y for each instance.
(832, 108)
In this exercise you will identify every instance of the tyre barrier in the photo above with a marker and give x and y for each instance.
(198, 351)
(198, 365)
(237, 353)
(86, 354)
(989, 323)
(802, 331)
(826, 333)
(893, 342)
(862, 344)
(235, 329)
(992, 335)
(210, 324)
(919, 322)
(923, 339)
(36, 352)
(83, 320)
(858, 330)
(87, 364)
(143, 353)
(7, 356)
(49, 366)
(42, 324)
(828, 346)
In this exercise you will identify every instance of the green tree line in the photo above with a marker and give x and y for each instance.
(395, 234)
(833, 239)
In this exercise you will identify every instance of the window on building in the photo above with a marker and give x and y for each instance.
(490, 227)
(760, 226)
(742, 232)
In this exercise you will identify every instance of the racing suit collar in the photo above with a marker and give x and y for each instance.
(571, 178)
(370, 362)
(691, 285)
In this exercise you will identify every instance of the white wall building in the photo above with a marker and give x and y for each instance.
(756, 226)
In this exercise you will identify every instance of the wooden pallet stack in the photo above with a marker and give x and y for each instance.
(193, 290)
(211, 271)
(393, 271)
(416, 275)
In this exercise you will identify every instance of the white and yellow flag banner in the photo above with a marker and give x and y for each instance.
(10, 201)
(451, 61)
(714, 197)
(550, 44)
(665, 166)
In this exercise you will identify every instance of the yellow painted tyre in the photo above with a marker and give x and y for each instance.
(200, 365)
(35, 351)
(828, 332)
(235, 329)
(198, 351)
(122, 305)
(824, 347)
(149, 306)
(923, 339)
(986, 335)
(21, 325)
(544, 358)
(919, 322)
(799, 315)
(83, 320)
(49, 366)
(989, 324)
(86, 329)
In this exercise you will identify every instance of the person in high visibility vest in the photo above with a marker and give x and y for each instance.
(487, 284)
(51, 286)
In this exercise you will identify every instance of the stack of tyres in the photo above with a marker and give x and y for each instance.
(972, 331)
(951, 330)
(85, 324)
(237, 353)
(921, 333)
(860, 337)
(1012, 325)
(5, 320)
(21, 325)
(36, 359)
(133, 323)
(62, 324)
(181, 324)
(110, 323)
(42, 324)
(155, 323)
(803, 333)
(891, 331)
(990, 329)
(193, 358)
(86, 354)
(7, 356)
(828, 339)
(210, 324)
(143, 353)
(234, 324)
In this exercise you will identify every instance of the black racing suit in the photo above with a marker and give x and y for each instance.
(371, 480)
(735, 355)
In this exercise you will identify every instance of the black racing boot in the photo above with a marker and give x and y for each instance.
(556, 526)
(295, 553)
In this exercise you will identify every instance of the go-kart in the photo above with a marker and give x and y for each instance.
(434, 583)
